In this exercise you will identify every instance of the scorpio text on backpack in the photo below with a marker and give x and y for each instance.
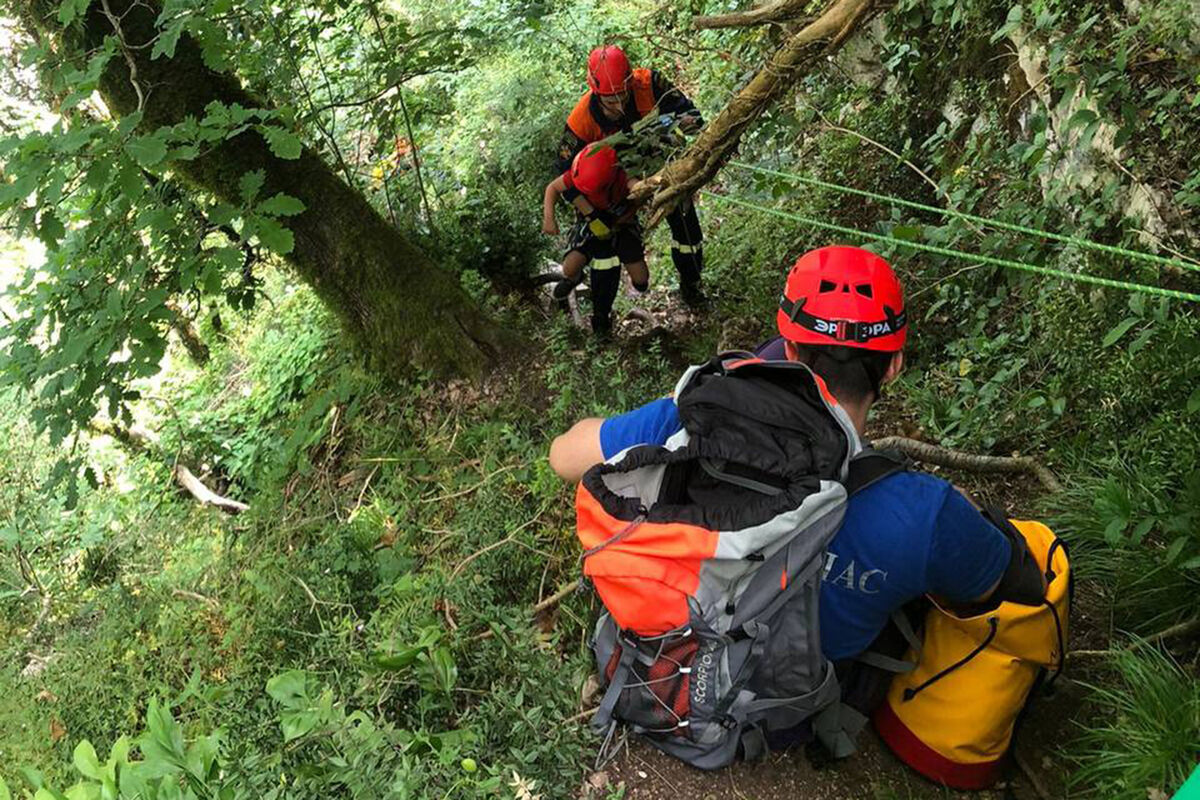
(953, 718)
(707, 554)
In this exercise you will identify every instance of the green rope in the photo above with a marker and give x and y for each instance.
(1086, 244)
(945, 251)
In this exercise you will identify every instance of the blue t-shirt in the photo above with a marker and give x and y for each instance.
(908, 535)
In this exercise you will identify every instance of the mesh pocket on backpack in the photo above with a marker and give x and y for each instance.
(656, 694)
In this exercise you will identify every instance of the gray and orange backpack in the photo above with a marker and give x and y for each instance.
(707, 553)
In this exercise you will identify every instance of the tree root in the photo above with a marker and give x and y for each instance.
(955, 459)
(720, 138)
(1034, 779)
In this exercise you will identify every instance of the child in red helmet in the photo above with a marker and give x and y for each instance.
(606, 234)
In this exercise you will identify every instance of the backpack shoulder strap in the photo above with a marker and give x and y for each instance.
(871, 466)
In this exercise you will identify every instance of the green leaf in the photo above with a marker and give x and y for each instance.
(1193, 402)
(1175, 549)
(283, 143)
(1191, 563)
(71, 10)
(147, 150)
(250, 183)
(166, 42)
(289, 689)
(400, 660)
(275, 237)
(909, 233)
(1122, 328)
(1084, 116)
(281, 205)
(4, 795)
(86, 760)
(1114, 529)
(51, 229)
(297, 723)
(445, 671)
(1143, 527)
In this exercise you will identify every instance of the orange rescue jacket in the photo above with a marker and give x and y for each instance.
(584, 125)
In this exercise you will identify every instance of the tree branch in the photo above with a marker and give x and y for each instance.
(133, 72)
(720, 139)
(955, 459)
(206, 496)
(145, 442)
(772, 12)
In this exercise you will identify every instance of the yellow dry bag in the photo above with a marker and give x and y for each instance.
(952, 718)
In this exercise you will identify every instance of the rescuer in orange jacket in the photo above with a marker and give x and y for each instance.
(617, 97)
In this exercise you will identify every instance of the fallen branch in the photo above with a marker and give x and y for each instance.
(206, 496)
(969, 462)
(1176, 631)
(772, 12)
(145, 442)
(538, 608)
(558, 597)
(587, 712)
(717, 142)
(199, 598)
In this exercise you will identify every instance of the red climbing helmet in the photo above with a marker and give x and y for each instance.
(843, 296)
(595, 171)
(608, 70)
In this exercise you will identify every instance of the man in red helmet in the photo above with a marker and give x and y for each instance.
(904, 536)
(618, 97)
(606, 235)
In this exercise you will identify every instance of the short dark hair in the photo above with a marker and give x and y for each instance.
(853, 374)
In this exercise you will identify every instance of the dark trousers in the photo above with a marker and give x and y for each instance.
(686, 243)
(605, 283)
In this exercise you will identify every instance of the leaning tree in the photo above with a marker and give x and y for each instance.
(161, 177)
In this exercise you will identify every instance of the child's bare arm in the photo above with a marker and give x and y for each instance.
(553, 189)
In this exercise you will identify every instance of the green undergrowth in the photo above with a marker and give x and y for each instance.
(1149, 734)
(397, 538)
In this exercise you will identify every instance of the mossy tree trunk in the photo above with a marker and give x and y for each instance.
(403, 309)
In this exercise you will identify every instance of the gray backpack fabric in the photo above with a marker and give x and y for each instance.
(751, 491)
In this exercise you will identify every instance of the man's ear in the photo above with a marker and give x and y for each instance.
(895, 367)
(789, 350)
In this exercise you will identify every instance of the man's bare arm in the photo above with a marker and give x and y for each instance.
(577, 450)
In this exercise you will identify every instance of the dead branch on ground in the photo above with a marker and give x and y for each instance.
(969, 462)
(145, 442)
(205, 496)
